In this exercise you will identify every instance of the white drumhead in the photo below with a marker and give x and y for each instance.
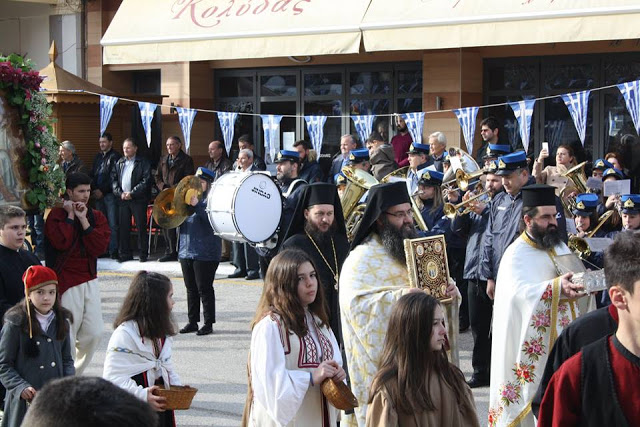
(257, 207)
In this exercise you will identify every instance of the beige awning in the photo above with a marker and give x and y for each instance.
(149, 31)
(440, 24)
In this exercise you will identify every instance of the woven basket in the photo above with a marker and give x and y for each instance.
(338, 394)
(178, 397)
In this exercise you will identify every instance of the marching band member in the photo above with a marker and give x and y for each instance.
(473, 227)
(418, 161)
(599, 166)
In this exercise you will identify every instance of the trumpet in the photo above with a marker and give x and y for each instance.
(451, 210)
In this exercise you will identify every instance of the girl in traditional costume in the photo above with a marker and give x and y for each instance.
(416, 385)
(34, 347)
(139, 352)
(292, 349)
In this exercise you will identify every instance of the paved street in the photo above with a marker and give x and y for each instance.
(215, 364)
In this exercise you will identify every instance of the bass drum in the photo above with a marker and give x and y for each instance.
(244, 207)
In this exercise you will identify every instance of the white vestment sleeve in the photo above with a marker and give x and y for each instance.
(279, 390)
(174, 379)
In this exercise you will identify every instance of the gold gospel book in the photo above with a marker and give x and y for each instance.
(427, 265)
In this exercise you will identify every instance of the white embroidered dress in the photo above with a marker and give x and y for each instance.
(280, 367)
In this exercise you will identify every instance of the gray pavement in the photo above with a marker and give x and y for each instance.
(215, 364)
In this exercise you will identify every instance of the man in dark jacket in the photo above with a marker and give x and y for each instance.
(474, 225)
(102, 188)
(131, 178)
(219, 162)
(171, 169)
(309, 169)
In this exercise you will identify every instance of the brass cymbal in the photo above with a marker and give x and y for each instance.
(180, 202)
(164, 212)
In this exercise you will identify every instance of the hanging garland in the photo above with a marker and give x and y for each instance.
(21, 86)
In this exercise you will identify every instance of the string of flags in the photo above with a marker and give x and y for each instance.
(577, 104)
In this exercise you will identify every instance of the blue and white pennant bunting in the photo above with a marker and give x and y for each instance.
(147, 109)
(578, 105)
(467, 119)
(106, 110)
(523, 110)
(271, 127)
(315, 126)
(186, 117)
(415, 125)
(631, 93)
(364, 126)
(227, 126)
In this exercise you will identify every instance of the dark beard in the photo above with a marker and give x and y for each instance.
(548, 238)
(393, 239)
(320, 237)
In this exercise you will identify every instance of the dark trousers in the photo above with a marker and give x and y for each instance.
(456, 257)
(137, 209)
(480, 312)
(198, 279)
(170, 240)
(109, 207)
(245, 258)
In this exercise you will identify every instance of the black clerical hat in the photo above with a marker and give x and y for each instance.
(381, 198)
(538, 195)
(320, 193)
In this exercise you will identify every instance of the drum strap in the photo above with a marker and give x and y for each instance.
(292, 186)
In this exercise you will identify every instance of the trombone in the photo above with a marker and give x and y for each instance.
(451, 210)
(579, 245)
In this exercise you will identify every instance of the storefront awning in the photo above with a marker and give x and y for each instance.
(440, 24)
(151, 31)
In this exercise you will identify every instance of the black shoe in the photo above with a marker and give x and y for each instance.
(169, 257)
(478, 381)
(190, 327)
(252, 276)
(105, 255)
(236, 274)
(114, 255)
(463, 327)
(143, 259)
(125, 258)
(205, 330)
(224, 259)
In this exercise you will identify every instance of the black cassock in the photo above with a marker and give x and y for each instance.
(301, 241)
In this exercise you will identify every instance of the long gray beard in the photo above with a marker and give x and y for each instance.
(393, 239)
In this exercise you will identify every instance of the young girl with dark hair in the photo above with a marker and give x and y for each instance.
(35, 346)
(293, 349)
(139, 352)
(415, 384)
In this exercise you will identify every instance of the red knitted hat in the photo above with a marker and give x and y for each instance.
(37, 276)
